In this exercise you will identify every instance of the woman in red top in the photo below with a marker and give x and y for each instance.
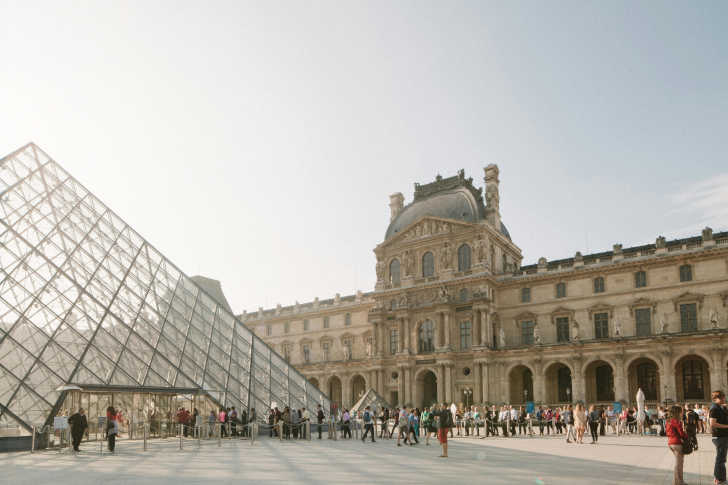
(675, 437)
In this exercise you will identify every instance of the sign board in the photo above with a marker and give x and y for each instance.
(617, 407)
(530, 407)
(102, 421)
(60, 422)
(198, 421)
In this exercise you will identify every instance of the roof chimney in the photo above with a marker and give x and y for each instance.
(396, 204)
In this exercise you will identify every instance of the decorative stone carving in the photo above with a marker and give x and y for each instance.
(443, 295)
(617, 327)
(502, 338)
(380, 269)
(278, 309)
(664, 326)
(337, 299)
(446, 256)
(479, 245)
(575, 333)
(409, 263)
(714, 322)
(347, 353)
(660, 242)
(537, 335)
(369, 348)
(297, 307)
(359, 296)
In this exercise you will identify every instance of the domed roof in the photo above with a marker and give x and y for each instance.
(453, 198)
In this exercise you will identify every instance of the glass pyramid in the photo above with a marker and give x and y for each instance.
(86, 301)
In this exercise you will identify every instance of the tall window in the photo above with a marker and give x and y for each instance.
(599, 285)
(428, 264)
(394, 272)
(560, 290)
(688, 317)
(601, 325)
(647, 380)
(306, 353)
(504, 263)
(268, 330)
(466, 339)
(425, 337)
(562, 329)
(527, 332)
(605, 383)
(286, 327)
(326, 322)
(393, 340)
(325, 350)
(643, 320)
(640, 279)
(347, 319)
(686, 272)
(564, 381)
(464, 258)
(305, 325)
(287, 353)
(525, 295)
(693, 379)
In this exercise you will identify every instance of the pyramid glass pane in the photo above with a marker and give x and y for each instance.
(85, 301)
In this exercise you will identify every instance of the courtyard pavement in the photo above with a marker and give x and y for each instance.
(538, 461)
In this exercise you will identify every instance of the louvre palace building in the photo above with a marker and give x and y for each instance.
(456, 317)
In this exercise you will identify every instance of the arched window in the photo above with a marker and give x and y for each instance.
(428, 264)
(394, 272)
(425, 337)
(692, 375)
(464, 258)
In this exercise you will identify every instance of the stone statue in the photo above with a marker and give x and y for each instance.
(502, 338)
(714, 323)
(575, 326)
(480, 249)
(537, 335)
(617, 327)
(369, 348)
(409, 263)
(380, 269)
(347, 352)
(446, 256)
(664, 327)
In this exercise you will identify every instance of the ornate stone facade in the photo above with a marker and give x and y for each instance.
(455, 317)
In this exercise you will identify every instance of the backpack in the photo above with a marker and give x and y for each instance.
(367, 417)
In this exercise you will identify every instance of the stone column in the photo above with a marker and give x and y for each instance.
(408, 386)
(408, 342)
(438, 329)
(401, 335)
(486, 381)
(477, 393)
(448, 330)
(483, 328)
(539, 380)
(667, 376)
(440, 385)
(400, 386)
(448, 383)
(577, 383)
(621, 391)
(346, 391)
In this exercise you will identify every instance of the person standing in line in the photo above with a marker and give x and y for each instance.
(305, 418)
(718, 420)
(346, 424)
(513, 419)
(445, 417)
(79, 425)
(112, 429)
(580, 422)
(675, 438)
(411, 427)
(233, 417)
(612, 419)
(319, 419)
(385, 423)
(593, 419)
(368, 424)
(222, 417)
(428, 423)
(569, 421)
(403, 426)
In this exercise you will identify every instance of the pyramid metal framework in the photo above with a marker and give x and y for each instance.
(370, 398)
(85, 300)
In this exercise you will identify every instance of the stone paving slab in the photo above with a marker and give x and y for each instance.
(538, 461)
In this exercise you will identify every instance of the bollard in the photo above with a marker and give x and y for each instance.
(308, 430)
(199, 437)
(180, 436)
(145, 436)
(32, 441)
(131, 427)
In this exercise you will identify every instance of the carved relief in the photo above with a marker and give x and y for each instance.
(445, 256)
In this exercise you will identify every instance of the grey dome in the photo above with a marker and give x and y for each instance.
(458, 204)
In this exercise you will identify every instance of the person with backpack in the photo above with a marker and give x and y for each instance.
(445, 417)
(368, 424)
(676, 437)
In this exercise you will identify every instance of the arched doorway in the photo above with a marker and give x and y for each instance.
(599, 380)
(558, 383)
(692, 379)
(314, 382)
(426, 385)
(643, 374)
(521, 383)
(335, 390)
(358, 388)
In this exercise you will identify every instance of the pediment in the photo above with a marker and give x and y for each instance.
(600, 308)
(561, 312)
(428, 226)
(689, 297)
(642, 302)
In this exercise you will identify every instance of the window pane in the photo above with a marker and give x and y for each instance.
(464, 258)
(428, 264)
(601, 325)
(562, 329)
(527, 333)
(525, 295)
(688, 317)
(394, 272)
(465, 335)
(643, 321)
(425, 337)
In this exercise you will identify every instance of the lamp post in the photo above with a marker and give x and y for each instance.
(468, 393)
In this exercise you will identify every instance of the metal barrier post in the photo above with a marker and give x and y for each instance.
(131, 427)
(145, 435)
(219, 435)
(180, 435)
(280, 430)
(32, 441)
(199, 436)
(308, 430)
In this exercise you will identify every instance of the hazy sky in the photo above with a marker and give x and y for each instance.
(258, 143)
